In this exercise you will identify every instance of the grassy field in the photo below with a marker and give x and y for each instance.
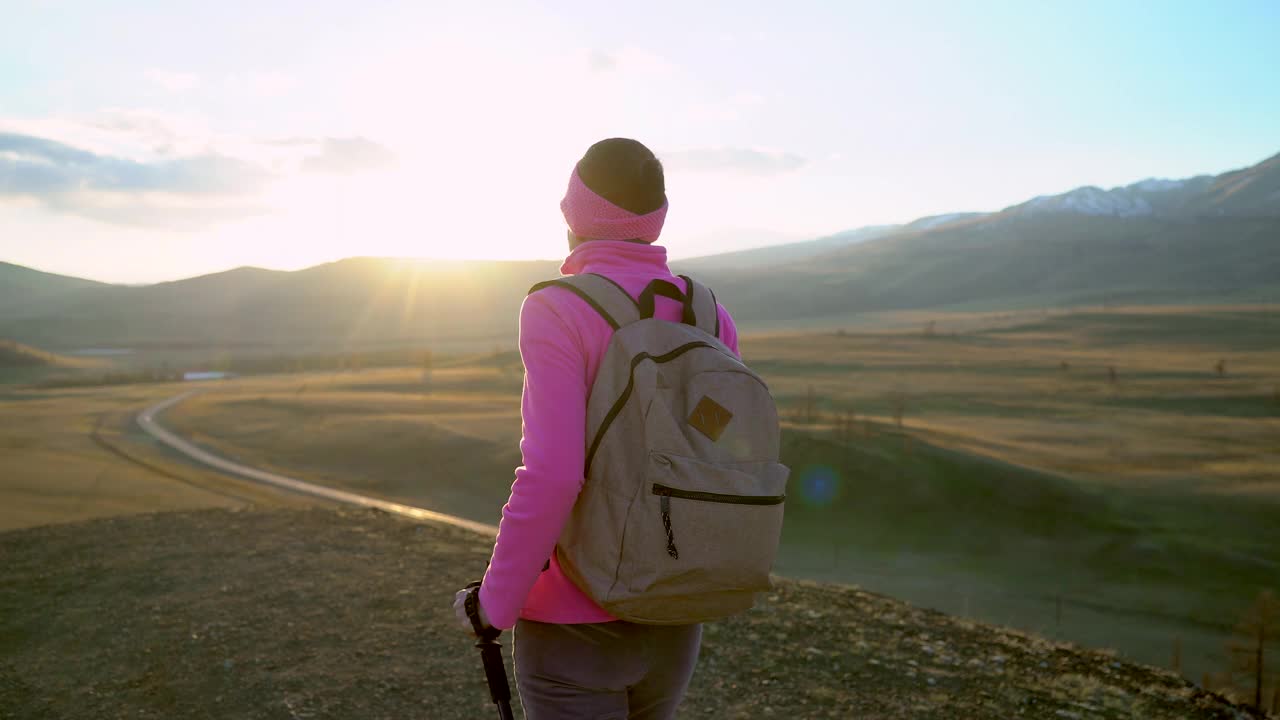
(347, 614)
(375, 431)
(24, 364)
(1127, 512)
(1024, 486)
(68, 455)
(1132, 514)
(1041, 393)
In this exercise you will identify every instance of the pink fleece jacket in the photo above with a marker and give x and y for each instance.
(562, 341)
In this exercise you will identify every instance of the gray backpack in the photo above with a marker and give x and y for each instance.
(680, 516)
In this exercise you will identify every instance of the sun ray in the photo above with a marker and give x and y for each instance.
(410, 295)
(370, 309)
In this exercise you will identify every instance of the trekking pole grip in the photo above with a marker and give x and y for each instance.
(490, 654)
(496, 673)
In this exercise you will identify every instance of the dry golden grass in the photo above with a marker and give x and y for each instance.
(1168, 424)
(380, 432)
(1168, 419)
(347, 615)
(69, 455)
(14, 354)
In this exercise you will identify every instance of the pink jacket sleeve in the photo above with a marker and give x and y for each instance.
(728, 331)
(554, 417)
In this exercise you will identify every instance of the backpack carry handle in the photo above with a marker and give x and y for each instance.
(619, 309)
(705, 308)
(666, 289)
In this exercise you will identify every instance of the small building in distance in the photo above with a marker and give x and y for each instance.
(206, 375)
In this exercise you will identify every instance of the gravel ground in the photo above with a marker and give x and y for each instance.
(347, 614)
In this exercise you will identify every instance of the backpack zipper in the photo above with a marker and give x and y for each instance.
(660, 489)
(626, 392)
(667, 492)
(631, 381)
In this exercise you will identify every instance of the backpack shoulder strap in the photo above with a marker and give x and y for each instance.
(604, 295)
(704, 307)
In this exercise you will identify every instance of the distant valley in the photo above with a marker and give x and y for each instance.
(1208, 239)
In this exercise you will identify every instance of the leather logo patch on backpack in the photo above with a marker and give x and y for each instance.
(710, 418)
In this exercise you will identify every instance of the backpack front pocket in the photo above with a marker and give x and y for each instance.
(700, 527)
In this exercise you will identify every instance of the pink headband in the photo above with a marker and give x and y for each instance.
(592, 217)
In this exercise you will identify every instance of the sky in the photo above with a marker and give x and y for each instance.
(149, 141)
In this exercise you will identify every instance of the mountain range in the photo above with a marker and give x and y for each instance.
(1202, 239)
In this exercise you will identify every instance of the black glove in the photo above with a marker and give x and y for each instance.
(484, 630)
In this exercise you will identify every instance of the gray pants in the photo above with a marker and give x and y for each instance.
(603, 671)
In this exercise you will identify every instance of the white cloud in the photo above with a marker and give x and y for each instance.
(629, 59)
(748, 161)
(348, 155)
(724, 110)
(180, 192)
(141, 168)
(747, 98)
(156, 210)
(173, 81)
(132, 133)
(601, 61)
(265, 83)
(38, 166)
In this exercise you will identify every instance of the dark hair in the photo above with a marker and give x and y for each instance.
(626, 173)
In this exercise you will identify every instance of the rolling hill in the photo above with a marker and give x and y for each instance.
(1204, 239)
(355, 302)
(17, 355)
(23, 287)
(785, 253)
(23, 364)
(1011, 261)
(1249, 192)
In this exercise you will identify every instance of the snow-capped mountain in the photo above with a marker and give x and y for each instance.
(1249, 192)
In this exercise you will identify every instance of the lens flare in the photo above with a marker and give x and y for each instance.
(818, 485)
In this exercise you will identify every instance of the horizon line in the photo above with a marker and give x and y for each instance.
(809, 239)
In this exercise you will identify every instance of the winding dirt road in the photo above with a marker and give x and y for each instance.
(148, 422)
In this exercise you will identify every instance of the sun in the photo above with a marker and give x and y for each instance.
(406, 213)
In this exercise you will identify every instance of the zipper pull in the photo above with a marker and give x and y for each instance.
(666, 522)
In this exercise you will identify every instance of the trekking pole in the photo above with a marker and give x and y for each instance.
(495, 670)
